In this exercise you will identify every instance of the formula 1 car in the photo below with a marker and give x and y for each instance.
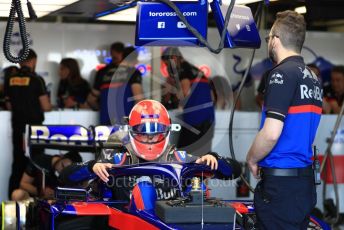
(77, 208)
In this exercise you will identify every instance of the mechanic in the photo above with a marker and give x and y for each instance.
(6, 72)
(127, 87)
(26, 96)
(32, 184)
(97, 99)
(111, 81)
(281, 154)
(147, 140)
(335, 96)
(195, 98)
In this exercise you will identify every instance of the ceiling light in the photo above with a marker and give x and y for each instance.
(301, 10)
(41, 8)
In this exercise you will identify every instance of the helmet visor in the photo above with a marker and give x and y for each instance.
(150, 132)
(150, 128)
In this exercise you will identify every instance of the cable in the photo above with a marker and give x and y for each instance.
(196, 33)
(32, 12)
(311, 51)
(258, 15)
(16, 7)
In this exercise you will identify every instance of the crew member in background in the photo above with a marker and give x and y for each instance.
(98, 97)
(125, 88)
(198, 115)
(32, 184)
(5, 73)
(26, 96)
(73, 89)
(335, 96)
(281, 154)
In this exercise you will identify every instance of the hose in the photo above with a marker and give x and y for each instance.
(16, 7)
(257, 17)
(196, 33)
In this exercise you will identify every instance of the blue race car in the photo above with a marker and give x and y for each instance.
(91, 207)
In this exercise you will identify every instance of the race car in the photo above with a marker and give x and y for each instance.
(78, 208)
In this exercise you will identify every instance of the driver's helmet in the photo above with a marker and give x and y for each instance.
(149, 128)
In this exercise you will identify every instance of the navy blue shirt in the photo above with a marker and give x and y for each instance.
(198, 105)
(116, 97)
(293, 95)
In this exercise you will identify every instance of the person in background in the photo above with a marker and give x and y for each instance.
(326, 89)
(129, 86)
(27, 98)
(334, 98)
(6, 72)
(31, 183)
(281, 153)
(98, 97)
(169, 97)
(73, 89)
(194, 93)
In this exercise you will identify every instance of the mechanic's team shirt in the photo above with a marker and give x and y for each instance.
(116, 97)
(198, 105)
(294, 96)
(23, 90)
(77, 91)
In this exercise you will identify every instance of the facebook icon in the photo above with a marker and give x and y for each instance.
(161, 25)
